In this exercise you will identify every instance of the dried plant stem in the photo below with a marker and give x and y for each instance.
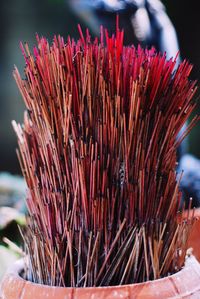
(98, 152)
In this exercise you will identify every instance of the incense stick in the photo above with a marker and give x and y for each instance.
(98, 152)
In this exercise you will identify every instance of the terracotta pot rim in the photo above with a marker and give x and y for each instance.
(15, 270)
(196, 211)
(183, 284)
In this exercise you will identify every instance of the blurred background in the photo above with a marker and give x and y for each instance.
(20, 20)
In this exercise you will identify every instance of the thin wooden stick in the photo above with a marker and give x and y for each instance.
(98, 152)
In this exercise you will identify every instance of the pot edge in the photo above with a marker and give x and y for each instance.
(18, 267)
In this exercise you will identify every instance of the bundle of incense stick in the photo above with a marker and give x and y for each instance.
(98, 152)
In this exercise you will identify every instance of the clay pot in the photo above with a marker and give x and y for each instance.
(184, 284)
(194, 238)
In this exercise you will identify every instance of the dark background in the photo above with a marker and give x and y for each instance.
(21, 19)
